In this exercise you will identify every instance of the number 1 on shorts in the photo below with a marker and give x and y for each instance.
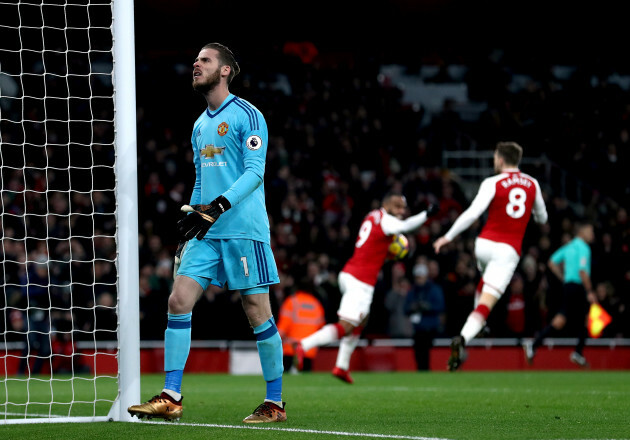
(245, 268)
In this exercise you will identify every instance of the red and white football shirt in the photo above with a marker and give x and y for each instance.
(373, 240)
(370, 249)
(511, 198)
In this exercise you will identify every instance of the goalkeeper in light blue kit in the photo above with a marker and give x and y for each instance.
(225, 235)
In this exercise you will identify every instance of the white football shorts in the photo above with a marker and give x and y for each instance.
(496, 262)
(356, 299)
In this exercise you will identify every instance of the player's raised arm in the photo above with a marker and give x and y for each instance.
(468, 217)
(392, 225)
(539, 212)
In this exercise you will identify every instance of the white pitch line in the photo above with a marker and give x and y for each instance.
(306, 431)
(30, 415)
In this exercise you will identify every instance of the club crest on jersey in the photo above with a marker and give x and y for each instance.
(254, 142)
(211, 150)
(223, 128)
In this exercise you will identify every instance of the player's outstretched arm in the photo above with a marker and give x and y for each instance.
(391, 225)
(201, 218)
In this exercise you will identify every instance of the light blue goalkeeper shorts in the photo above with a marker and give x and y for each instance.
(245, 265)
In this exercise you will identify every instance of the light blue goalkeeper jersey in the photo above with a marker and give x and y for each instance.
(230, 148)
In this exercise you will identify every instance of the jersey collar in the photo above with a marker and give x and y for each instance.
(225, 103)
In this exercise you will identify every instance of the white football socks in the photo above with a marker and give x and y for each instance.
(346, 348)
(324, 336)
(473, 326)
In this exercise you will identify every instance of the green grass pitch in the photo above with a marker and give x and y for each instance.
(431, 405)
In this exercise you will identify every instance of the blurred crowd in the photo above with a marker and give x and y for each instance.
(340, 137)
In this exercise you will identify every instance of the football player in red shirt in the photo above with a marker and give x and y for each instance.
(358, 277)
(511, 198)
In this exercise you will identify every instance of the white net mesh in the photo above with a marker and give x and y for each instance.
(58, 222)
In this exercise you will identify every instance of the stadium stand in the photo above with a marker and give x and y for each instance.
(367, 130)
(345, 127)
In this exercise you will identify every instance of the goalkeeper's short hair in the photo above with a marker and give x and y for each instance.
(226, 58)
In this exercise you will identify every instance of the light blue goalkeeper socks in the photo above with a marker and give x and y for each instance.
(176, 349)
(269, 346)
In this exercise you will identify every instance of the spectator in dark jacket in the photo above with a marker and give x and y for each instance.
(425, 307)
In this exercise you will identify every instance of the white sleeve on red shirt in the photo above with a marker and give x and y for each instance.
(482, 200)
(539, 211)
(392, 225)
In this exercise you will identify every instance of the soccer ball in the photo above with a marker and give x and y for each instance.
(399, 247)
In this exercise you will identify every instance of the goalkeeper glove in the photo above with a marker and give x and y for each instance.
(433, 209)
(201, 217)
(178, 256)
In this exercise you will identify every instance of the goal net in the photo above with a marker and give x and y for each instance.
(68, 211)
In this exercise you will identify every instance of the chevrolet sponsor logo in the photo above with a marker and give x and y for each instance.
(211, 150)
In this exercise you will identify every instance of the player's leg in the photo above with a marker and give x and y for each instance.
(197, 270)
(486, 263)
(473, 325)
(186, 292)
(354, 308)
(347, 345)
(258, 310)
(477, 318)
(498, 262)
(193, 278)
(355, 303)
(478, 289)
(324, 336)
(250, 267)
(168, 404)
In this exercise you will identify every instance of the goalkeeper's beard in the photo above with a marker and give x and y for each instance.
(208, 85)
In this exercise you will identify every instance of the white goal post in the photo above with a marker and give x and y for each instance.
(127, 210)
(69, 276)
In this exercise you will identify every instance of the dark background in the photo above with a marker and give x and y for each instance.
(354, 40)
(338, 118)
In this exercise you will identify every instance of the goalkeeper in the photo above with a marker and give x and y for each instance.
(225, 235)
